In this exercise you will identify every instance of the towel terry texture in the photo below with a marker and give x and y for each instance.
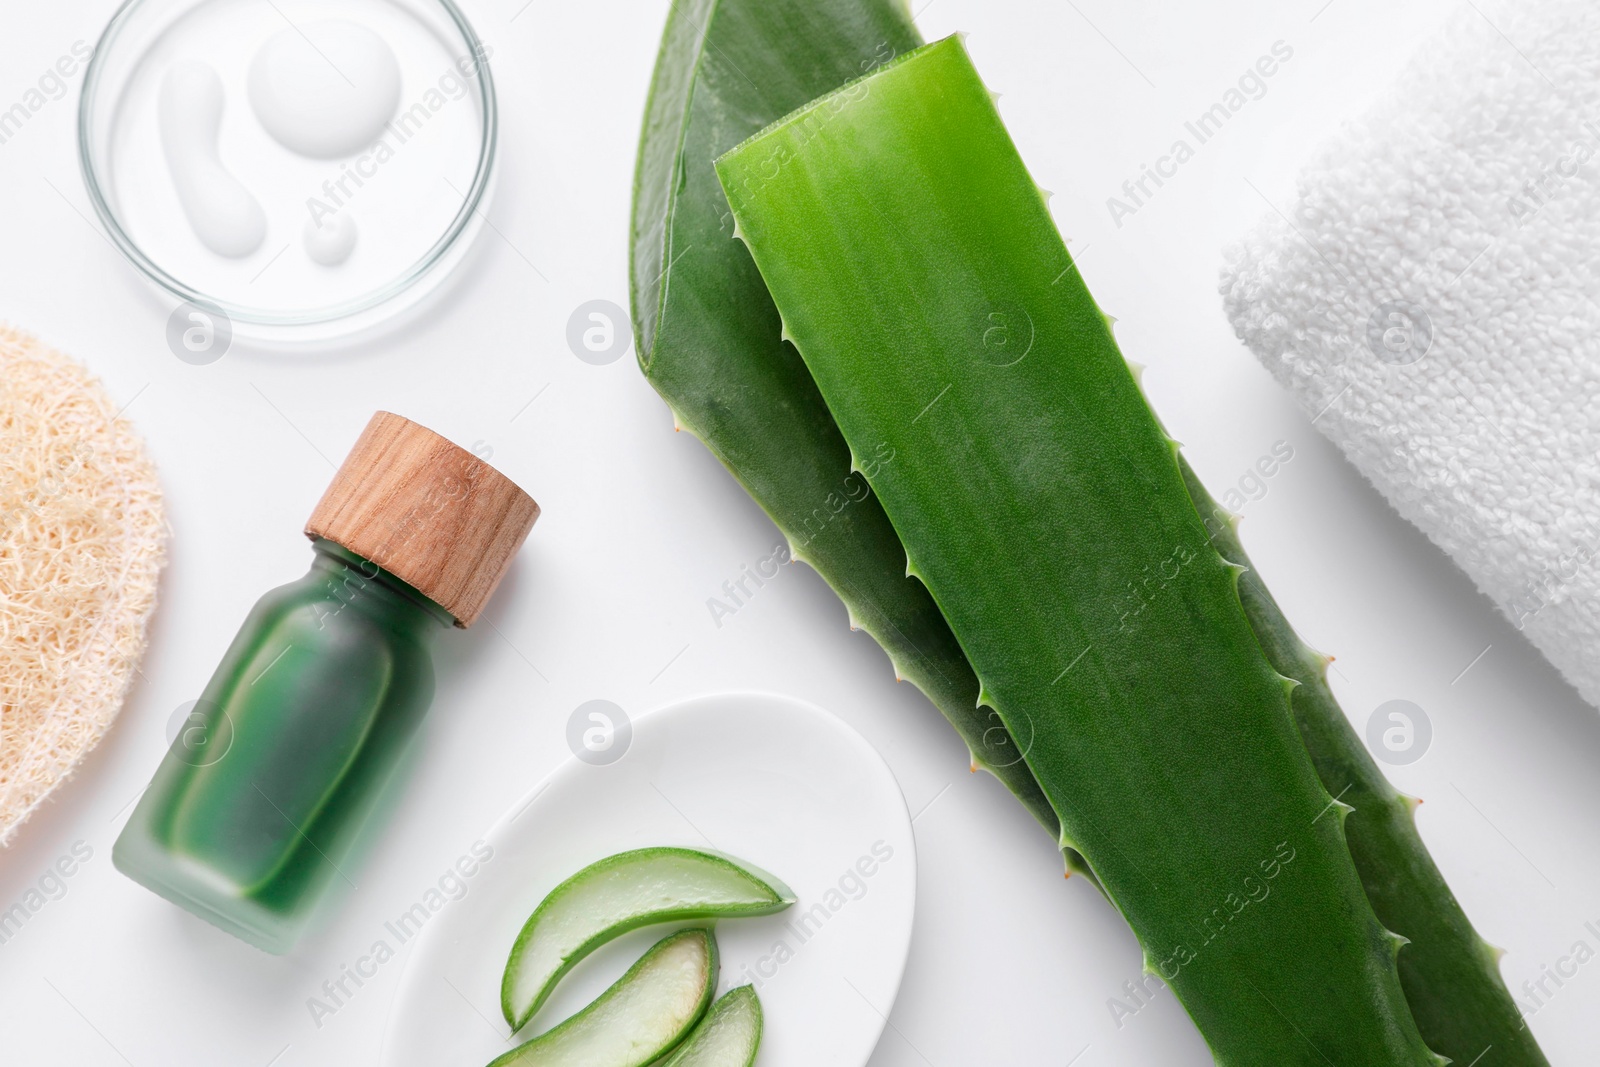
(1430, 298)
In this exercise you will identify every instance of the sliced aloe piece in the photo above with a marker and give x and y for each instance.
(641, 1018)
(620, 893)
(923, 281)
(727, 1037)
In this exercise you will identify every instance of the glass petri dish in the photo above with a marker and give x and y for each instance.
(413, 193)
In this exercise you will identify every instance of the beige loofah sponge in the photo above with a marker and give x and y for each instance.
(82, 541)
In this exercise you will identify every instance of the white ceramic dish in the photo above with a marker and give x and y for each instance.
(769, 779)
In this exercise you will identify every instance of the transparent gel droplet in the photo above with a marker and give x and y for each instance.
(325, 89)
(330, 239)
(221, 211)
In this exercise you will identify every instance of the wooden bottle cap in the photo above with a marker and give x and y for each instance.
(427, 511)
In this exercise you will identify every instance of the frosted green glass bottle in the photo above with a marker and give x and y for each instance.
(267, 786)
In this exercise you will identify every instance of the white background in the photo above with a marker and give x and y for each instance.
(1010, 964)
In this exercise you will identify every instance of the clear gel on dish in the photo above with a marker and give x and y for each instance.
(330, 239)
(325, 89)
(221, 211)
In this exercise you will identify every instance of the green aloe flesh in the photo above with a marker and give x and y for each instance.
(708, 333)
(921, 278)
(641, 1018)
(621, 893)
(1450, 976)
(728, 1036)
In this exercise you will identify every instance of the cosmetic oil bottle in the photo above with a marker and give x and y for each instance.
(258, 802)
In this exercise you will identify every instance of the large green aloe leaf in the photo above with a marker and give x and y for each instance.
(723, 352)
(1451, 977)
(708, 333)
(922, 280)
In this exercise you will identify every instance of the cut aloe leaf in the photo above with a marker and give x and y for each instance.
(709, 337)
(641, 1018)
(709, 342)
(728, 1036)
(620, 893)
(920, 276)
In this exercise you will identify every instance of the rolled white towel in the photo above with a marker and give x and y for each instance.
(1433, 305)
